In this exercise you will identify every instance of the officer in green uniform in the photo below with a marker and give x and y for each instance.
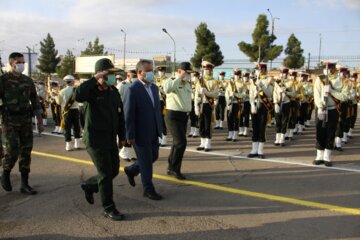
(104, 121)
(20, 101)
(178, 105)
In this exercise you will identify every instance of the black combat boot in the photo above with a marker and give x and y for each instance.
(25, 188)
(5, 181)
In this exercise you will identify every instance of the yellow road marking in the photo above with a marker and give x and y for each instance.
(334, 208)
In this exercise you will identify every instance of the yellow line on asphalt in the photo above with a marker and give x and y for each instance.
(334, 208)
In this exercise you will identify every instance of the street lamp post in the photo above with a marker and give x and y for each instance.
(272, 27)
(124, 47)
(174, 65)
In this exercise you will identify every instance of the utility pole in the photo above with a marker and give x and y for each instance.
(320, 50)
(29, 53)
(309, 61)
(124, 48)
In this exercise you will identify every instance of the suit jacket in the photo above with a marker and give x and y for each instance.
(143, 119)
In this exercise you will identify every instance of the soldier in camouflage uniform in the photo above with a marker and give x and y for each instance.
(17, 91)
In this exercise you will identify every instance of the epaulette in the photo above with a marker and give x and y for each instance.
(123, 82)
(173, 78)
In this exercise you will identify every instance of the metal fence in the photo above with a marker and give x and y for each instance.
(353, 62)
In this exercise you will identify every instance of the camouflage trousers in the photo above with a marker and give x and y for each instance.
(18, 145)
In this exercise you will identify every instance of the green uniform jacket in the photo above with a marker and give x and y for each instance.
(19, 99)
(103, 113)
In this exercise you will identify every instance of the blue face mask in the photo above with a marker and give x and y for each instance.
(111, 80)
(150, 77)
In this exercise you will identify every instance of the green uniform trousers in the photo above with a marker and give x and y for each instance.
(18, 145)
(107, 164)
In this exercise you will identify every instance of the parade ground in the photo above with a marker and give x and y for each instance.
(226, 195)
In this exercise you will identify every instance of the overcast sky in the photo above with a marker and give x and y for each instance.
(73, 23)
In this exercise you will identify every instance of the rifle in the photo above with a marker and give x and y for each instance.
(282, 93)
(326, 96)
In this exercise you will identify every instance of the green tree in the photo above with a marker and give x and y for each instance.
(262, 38)
(94, 49)
(294, 52)
(67, 65)
(206, 47)
(48, 59)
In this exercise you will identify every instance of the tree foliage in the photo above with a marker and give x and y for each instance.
(67, 65)
(263, 39)
(294, 52)
(206, 47)
(48, 59)
(94, 49)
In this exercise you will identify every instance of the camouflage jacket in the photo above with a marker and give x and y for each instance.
(19, 98)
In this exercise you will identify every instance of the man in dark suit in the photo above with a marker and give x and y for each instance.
(143, 126)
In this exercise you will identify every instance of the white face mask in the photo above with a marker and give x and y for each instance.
(257, 72)
(283, 75)
(19, 67)
(326, 72)
(221, 77)
(133, 79)
(194, 79)
(246, 79)
(236, 77)
(161, 73)
(187, 78)
(206, 72)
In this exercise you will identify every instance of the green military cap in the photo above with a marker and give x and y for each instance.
(105, 64)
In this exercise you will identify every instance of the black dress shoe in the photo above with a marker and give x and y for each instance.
(177, 175)
(131, 178)
(252, 155)
(228, 139)
(261, 156)
(328, 164)
(207, 149)
(318, 162)
(234, 140)
(200, 148)
(151, 194)
(133, 159)
(190, 135)
(126, 159)
(89, 195)
(216, 127)
(277, 144)
(282, 144)
(114, 215)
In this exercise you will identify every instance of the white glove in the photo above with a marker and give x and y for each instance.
(253, 109)
(321, 114)
(228, 107)
(277, 108)
(283, 89)
(326, 90)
